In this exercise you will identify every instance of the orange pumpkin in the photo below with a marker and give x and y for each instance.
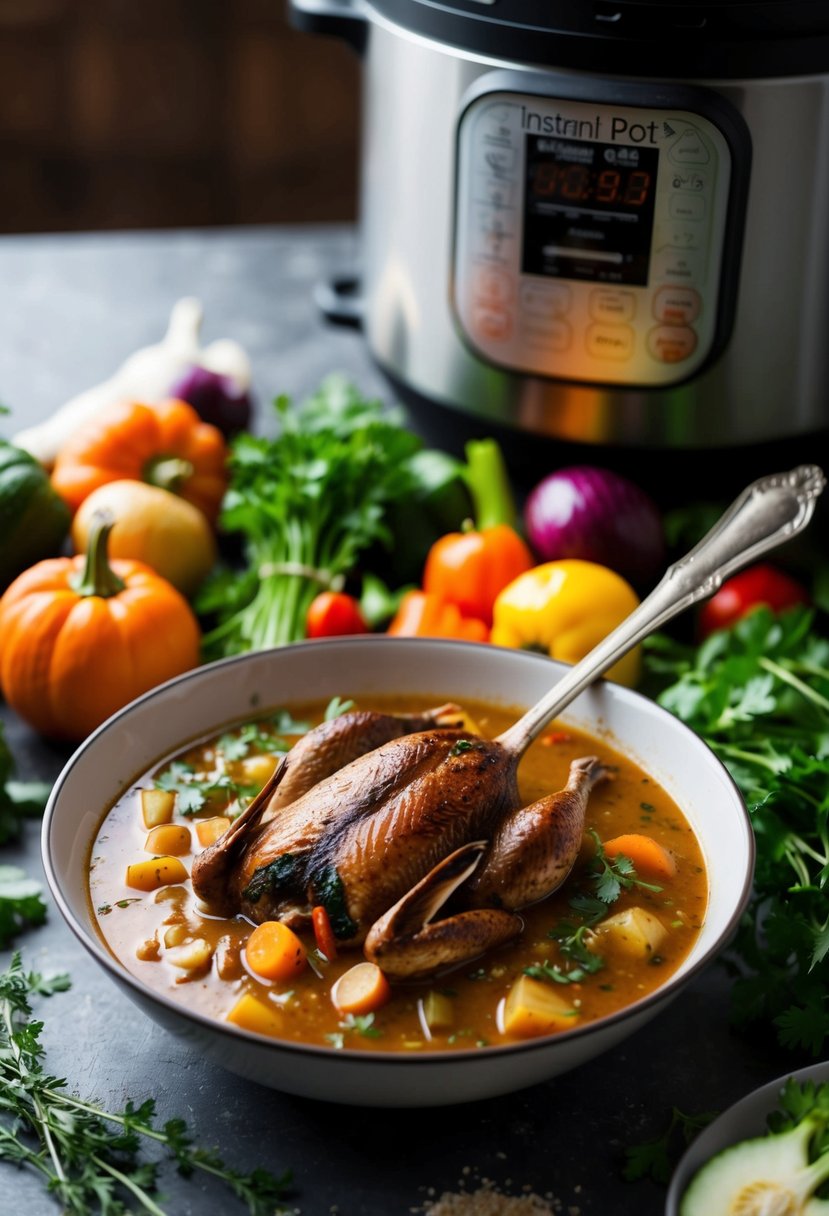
(79, 638)
(166, 445)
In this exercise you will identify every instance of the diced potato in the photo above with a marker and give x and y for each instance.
(258, 769)
(169, 838)
(155, 873)
(635, 931)
(249, 1013)
(157, 807)
(175, 896)
(149, 951)
(209, 830)
(533, 1007)
(176, 935)
(438, 1012)
(192, 956)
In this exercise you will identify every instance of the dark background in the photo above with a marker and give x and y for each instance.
(167, 113)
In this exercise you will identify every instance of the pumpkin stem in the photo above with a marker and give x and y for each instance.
(97, 576)
(168, 472)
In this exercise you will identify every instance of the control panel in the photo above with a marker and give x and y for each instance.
(589, 237)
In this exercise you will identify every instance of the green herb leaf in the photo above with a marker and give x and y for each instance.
(21, 903)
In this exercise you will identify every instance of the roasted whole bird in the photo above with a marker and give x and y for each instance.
(385, 820)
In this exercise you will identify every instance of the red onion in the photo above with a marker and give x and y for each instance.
(599, 516)
(217, 399)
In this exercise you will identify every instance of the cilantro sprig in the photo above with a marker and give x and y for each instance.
(657, 1158)
(759, 696)
(89, 1157)
(605, 879)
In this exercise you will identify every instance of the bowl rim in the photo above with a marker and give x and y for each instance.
(92, 943)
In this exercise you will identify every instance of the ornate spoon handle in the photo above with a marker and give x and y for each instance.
(767, 513)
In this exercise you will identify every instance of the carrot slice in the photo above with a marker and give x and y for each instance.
(326, 941)
(361, 989)
(274, 952)
(649, 857)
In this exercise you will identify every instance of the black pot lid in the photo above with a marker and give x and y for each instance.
(701, 39)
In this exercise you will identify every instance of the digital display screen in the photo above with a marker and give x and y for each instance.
(588, 210)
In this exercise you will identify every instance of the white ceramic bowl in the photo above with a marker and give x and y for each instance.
(206, 699)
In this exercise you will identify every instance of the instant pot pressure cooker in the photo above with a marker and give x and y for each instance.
(601, 221)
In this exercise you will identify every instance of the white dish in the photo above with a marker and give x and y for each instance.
(745, 1120)
(205, 700)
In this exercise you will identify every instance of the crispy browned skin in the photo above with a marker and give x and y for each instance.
(323, 752)
(332, 745)
(535, 847)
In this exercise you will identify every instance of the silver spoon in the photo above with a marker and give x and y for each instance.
(767, 513)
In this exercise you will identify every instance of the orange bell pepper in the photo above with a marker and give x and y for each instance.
(166, 445)
(422, 615)
(470, 569)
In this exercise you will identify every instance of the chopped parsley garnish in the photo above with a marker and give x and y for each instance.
(192, 791)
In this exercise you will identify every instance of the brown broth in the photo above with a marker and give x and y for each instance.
(302, 1009)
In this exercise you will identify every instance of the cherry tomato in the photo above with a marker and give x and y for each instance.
(762, 584)
(332, 614)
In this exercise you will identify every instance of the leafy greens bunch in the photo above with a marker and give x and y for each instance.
(89, 1157)
(21, 903)
(759, 696)
(307, 504)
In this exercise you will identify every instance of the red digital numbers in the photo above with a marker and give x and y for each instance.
(577, 183)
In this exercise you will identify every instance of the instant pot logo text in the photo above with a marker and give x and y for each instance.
(604, 126)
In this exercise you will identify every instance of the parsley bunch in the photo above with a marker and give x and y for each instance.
(21, 902)
(307, 504)
(759, 696)
(88, 1157)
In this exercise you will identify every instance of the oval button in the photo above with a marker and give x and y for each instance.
(676, 305)
(612, 306)
(610, 341)
(493, 323)
(672, 343)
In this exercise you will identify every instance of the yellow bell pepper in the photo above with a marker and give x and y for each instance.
(564, 609)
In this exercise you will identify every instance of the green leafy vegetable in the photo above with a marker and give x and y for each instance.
(89, 1157)
(759, 696)
(307, 504)
(21, 903)
(19, 800)
(656, 1158)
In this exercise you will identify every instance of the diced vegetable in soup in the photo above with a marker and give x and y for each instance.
(368, 899)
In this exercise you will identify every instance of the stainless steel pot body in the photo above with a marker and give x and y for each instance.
(771, 378)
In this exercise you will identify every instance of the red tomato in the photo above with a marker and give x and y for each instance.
(332, 614)
(762, 584)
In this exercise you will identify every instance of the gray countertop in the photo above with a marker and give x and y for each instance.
(71, 309)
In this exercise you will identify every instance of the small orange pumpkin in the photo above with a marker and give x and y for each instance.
(166, 445)
(79, 638)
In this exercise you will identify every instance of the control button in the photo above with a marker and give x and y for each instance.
(552, 334)
(499, 161)
(676, 266)
(676, 305)
(545, 298)
(689, 181)
(690, 149)
(687, 206)
(493, 286)
(612, 306)
(610, 341)
(493, 323)
(498, 194)
(672, 343)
